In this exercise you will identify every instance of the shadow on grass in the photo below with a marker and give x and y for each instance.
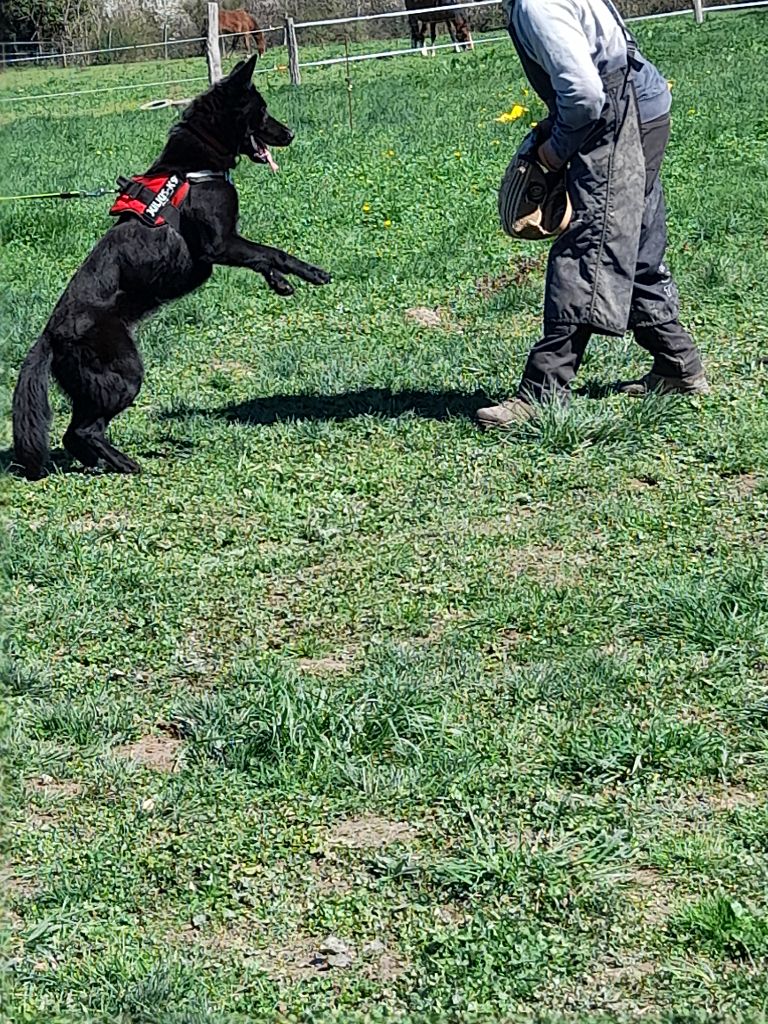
(271, 409)
(594, 389)
(60, 461)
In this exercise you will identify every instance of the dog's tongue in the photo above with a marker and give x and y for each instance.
(271, 160)
(262, 151)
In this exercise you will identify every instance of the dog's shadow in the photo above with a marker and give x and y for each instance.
(60, 461)
(274, 409)
(435, 405)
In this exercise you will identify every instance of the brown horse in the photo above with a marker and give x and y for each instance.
(241, 25)
(454, 18)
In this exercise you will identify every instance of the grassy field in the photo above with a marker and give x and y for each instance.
(343, 711)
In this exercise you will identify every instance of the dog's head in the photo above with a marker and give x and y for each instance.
(258, 129)
(234, 115)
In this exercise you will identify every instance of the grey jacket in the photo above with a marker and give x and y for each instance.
(577, 43)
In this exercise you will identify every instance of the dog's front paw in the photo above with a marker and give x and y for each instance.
(278, 283)
(316, 275)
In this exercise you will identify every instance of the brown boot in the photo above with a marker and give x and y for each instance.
(654, 383)
(506, 414)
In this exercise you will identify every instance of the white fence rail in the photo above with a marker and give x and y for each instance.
(64, 55)
(294, 64)
(351, 19)
(68, 54)
(8, 60)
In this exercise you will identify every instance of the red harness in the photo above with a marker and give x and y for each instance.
(155, 200)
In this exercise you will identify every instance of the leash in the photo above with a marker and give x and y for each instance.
(95, 193)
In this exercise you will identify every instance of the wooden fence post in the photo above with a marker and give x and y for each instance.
(212, 48)
(698, 11)
(293, 52)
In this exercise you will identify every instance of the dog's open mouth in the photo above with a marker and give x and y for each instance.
(261, 154)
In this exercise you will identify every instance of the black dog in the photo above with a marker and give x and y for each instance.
(88, 342)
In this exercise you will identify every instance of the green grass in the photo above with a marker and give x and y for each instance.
(526, 675)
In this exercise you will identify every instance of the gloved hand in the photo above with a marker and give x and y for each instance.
(543, 129)
(548, 158)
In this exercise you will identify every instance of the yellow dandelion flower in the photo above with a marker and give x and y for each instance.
(366, 207)
(457, 154)
(389, 152)
(387, 223)
(514, 114)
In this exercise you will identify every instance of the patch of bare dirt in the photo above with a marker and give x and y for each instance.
(651, 894)
(622, 982)
(42, 821)
(692, 809)
(631, 970)
(306, 957)
(449, 914)
(489, 284)
(239, 938)
(734, 798)
(15, 885)
(329, 665)
(196, 659)
(160, 753)
(301, 957)
(381, 963)
(505, 640)
(438, 627)
(542, 561)
(425, 317)
(48, 786)
(114, 522)
(370, 832)
(642, 483)
(330, 877)
(498, 526)
(746, 484)
(616, 985)
(547, 564)
(11, 920)
(231, 366)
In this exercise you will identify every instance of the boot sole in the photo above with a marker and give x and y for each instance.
(642, 391)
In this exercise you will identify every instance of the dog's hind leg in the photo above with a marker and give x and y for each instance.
(77, 437)
(85, 439)
(102, 375)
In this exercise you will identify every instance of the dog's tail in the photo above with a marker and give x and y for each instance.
(31, 411)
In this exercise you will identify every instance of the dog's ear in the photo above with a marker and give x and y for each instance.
(240, 76)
